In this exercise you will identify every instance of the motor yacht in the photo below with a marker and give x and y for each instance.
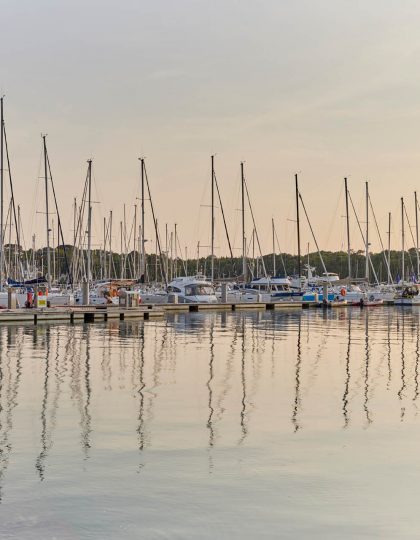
(186, 290)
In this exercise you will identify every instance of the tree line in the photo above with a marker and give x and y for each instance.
(126, 266)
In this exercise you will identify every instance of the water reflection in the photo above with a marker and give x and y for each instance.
(244, 428)
(213, 380)
(10, 375)
(297, 402)
(347, 377)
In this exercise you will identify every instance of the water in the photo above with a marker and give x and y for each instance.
(213, 425)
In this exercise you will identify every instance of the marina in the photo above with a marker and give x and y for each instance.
(209, 270)
(196, 414)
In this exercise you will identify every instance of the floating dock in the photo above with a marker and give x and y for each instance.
(90, 314)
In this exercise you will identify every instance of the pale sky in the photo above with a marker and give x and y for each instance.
(330, 88)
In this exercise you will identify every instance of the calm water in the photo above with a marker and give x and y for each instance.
(213, 425)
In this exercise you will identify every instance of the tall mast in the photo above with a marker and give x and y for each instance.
(74, 222)
(1, 194)
(417, 234)
(244, 272)
(89, 231)
(47, 213)
(167, 249)
(143, 258)
(348, 229)
(157, 245)
(298, 228)
(103, 269)
(402, 242)
(122, 262)
(389, 245)
(135, 243)
(212, 218)
(367, 233)
(110, 246)
(176, 251)
(274, 247)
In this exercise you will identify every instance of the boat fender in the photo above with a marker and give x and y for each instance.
(140, 300)
(343, 292)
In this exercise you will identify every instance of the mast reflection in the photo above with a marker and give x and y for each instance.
(243, 414)
(367, 366)
(9, 390)
(39, 464)
(140, 417)
(403, 367)
(297, 401)
(347, 380)
(209, 386)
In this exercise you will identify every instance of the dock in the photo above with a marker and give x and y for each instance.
(92, 314)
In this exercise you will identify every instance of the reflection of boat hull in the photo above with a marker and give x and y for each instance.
(371, 303)
(415, 301)
(338, 303)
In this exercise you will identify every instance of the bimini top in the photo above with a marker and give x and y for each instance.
(277, 280)
(199, 278)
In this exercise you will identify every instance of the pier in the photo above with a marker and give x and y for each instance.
(92, 314)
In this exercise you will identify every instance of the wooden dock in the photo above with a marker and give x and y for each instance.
(91, 314)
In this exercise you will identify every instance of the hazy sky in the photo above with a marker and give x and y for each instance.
(329, 88)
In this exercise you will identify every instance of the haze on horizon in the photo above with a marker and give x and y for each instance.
(329, 88)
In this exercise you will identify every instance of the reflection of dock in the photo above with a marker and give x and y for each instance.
(74, 314)
(230, 306)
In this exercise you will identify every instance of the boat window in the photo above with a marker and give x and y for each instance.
(203, 289)
(198, 290)
(173, 289)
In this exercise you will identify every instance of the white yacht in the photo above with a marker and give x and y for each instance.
(270, 289)
(186, 290)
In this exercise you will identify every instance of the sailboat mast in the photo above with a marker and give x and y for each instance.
(1, 194)
(244, 272)
(103, 269)
(417, 234)
(47, 214)
(89, 231)
(176, 250)
(402, 242)
(298, 229)
(348, 230)
(110, 246)
(143, 260)
(135, 243)
(274, 247)
(74, 222)
(212, 218)
(367, 233)
(389, 245)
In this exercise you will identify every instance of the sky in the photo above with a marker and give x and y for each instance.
(327, 88)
